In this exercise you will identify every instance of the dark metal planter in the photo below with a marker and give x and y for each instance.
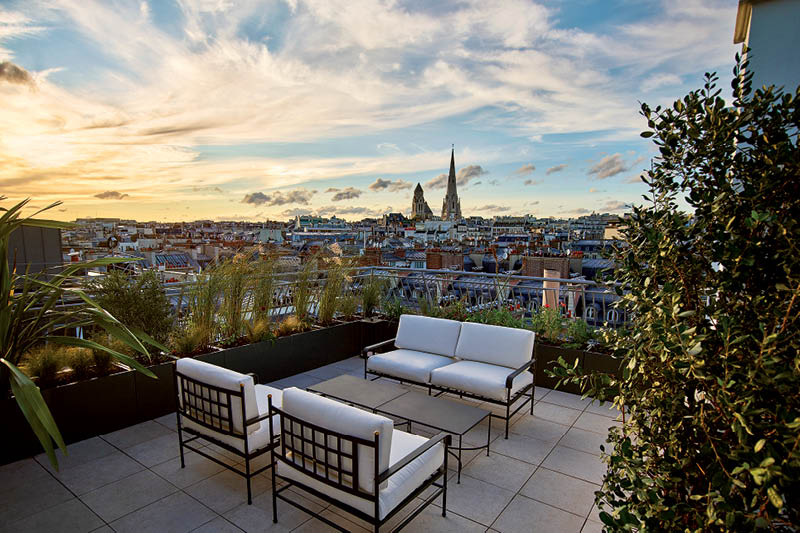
(546, 359)
(154, 397)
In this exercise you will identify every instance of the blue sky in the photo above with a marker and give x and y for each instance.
(189, 109)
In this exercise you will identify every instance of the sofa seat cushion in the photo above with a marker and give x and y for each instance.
(408, 364)
(398, 487)
(223, 378)
(340, 418)
(425, 334)
(481, 379)
(496, 345)
(259, 438)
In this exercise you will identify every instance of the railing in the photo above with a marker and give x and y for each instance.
(416, 287)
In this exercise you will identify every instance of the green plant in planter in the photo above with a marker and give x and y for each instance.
(372, 294)
(337, 275)
(187, 339)
(291, 325)
(235, 275)
(31, 316)
(454, 311)
(43, 363)
(428, 307)
(548, 324)
(262, 288)
(203, 303)
(304, 291)
(711, 375)
(348, 305)
(259, 330)
(579, 333)
(394, 308)
(497, 317)
(80, 360)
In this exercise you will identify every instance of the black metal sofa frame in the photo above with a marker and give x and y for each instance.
(509, 401)
(294, 429)
(202, 403)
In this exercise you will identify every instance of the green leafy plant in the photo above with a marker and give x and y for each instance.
(454, 311)
(348, 305)
(394, 308)
(428, 307)
(329, 298)
(31, 315)
(579, 333)
(44, 363)
(138, 302)
(372, 294)
(303, 290)
(187, 340)
(497, 317)
(710, 388)
(262, 288)
(235, 277)
(548, 324)
(81, 361)
(203, 302)
(259, 330)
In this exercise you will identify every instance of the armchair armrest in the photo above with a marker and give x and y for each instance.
(374, 347)
(517, 372)
(253, 375)
(433, 441)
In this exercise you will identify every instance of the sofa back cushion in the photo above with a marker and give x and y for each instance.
(217, 376)
(340, 418)
(426, 334)
(498, 345)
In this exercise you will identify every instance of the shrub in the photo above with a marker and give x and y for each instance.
(394, 308)
(548, 324)
(234, 276)
(329, 299)
(372, 294)
(497, 317)
(348, 305)
(44, 363)
(711, 387)
(579, 333)
(263, 288)
(290, 325)
(454, 311)
(259, 330)
(81, 361)
(187, 340)
(138, 302)
(303, 290)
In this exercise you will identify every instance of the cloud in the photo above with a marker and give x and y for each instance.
(463, 177)
(615, 205)
(593, 190)
(557, 168)
(636, 178)
(296, 196)
(389, 185)
(663, 79)
(532, 182)
(13, 74)
(525, 169)
(348, 193)
(286, 213)
(579, 211)
(207, 189)
(608, 166)
(110, 195)
(492, 207)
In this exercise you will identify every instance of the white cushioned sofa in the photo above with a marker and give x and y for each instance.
(226, 408)
(340, 454)
(490, 363)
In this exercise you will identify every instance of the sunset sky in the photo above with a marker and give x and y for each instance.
(247, 110)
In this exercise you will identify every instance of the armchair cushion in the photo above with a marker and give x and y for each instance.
(226, 379)
(426, 334)
(408, 364)
(481, 379)
(398, 487)
(255, 440)
(345, 419)
(497, 345)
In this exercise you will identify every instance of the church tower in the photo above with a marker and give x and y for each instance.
(451, 206)
(419, 207)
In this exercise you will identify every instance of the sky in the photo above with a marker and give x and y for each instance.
(250, 110)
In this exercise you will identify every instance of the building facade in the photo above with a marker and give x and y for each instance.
(419, 207)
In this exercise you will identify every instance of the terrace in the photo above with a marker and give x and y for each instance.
(543, 476)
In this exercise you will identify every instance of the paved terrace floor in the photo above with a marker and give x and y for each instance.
(542, 478)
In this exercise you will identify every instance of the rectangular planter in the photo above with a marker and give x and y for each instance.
(155, 397)
(546, 358)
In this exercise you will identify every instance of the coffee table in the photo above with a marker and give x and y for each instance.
(387, 398)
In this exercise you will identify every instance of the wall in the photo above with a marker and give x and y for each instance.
(34, 249)
(774, 38)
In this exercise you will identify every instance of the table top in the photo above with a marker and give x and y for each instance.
(359, 391)
(396, 400)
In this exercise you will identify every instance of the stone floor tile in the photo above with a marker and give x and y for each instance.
(560, 490)
(78, 453)
(103, 529)
(592, 527)
(325, 372)
(500, 470)
(431, 519)
(584, 440)
(197, 469)
(556, 413)
(314, 525)
(575, 463)
(477, 500)
(541, 393)
(596, 423)
(117, 499)
(565, 399)
(526, 515)
(133, 435)
(175, 513)
(300, 381)
(258, 516)
(524, 448)
(218, 525)
(539, 428)
(155, 451)
(226, 490)
(350, 364)
(26, 488)
(168, 420)
(607, 409)
(91, 475)
(67, 517)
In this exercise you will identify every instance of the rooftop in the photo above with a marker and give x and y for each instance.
(131, 480)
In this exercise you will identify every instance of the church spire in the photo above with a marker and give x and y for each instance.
(451, 179)
(451, 206)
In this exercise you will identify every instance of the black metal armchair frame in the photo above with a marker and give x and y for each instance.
(527, 392)
(295, 430)
(212, 408)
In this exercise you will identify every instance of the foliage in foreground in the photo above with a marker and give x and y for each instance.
(711, 385)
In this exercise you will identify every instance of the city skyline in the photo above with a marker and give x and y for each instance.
(262, 110)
